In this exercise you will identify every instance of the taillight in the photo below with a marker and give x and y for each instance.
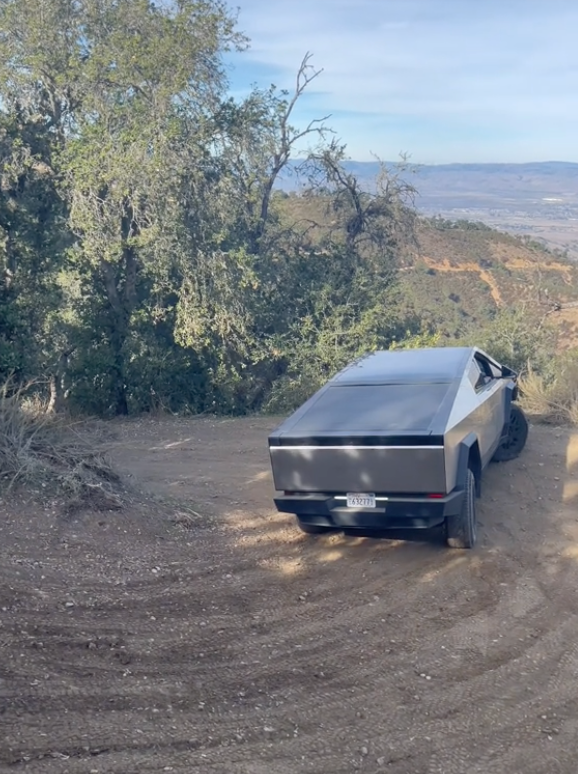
(436, 496)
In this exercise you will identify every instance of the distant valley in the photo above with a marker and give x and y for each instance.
(538, 200)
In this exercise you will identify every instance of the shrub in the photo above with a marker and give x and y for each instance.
(516, 337)
(52, 454)
(551, 397)
(290, 391)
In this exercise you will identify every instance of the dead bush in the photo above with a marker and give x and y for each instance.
(552, 400)
(51, 454)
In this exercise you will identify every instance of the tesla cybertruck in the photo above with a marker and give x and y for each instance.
(399, 439)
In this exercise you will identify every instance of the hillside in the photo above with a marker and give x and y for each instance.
(535, 199)
(459, 277)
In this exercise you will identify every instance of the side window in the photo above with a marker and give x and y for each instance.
(480, 374)
(486, 372)
(474, 374)
(497, 372)
(488, 369)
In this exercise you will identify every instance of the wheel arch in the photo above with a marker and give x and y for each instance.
(470, 457)
(510, 395)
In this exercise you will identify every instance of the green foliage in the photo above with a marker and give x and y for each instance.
(423, 339)
(32, 246)
(443, 224)
(551, 395)
(144, 251)
(147, 261)
(517, 337)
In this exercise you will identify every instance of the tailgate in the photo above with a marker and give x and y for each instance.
(375, 469)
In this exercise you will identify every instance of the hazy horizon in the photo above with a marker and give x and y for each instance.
(460, 163)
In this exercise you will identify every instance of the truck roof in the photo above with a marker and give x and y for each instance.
(407, 366)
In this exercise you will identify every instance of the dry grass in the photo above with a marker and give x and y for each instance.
(53, 455)
(552, 401)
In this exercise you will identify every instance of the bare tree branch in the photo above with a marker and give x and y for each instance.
(289, 138)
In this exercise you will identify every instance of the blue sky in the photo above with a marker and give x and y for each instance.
(443, 80)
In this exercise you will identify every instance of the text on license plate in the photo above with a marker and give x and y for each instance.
(360, 500)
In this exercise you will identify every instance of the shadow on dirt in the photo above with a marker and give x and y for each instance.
(433, 537)
(222, 468)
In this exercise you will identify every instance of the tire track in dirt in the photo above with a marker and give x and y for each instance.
(240, 645)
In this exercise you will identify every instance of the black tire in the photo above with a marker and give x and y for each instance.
(461, 530)
(313, 529)
(517, 436)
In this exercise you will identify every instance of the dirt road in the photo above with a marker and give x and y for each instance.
(134, 642)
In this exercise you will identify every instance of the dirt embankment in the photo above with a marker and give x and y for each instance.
(130, 643)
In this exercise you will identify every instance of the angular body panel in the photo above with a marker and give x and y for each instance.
(377, 469)
(392, 437)
(482, 415)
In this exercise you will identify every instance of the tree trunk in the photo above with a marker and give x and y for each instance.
(118, 335)
(57, 400)
(118, 340)
(122, 305)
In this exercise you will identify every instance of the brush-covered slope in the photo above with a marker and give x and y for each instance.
(459, 275)
(456, 276)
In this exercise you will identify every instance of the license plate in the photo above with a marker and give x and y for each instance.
(360, 500)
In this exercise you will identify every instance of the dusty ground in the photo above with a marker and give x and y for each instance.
(130, 643)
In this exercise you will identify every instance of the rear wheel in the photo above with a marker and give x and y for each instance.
(513, 445)
(461, 529)
(312, 529)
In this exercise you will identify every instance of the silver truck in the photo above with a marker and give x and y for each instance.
(399, 439)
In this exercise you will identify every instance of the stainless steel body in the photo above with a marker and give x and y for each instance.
(396, 427)
(391, 438)
(376, 468)
(393, 422)
(480, 409)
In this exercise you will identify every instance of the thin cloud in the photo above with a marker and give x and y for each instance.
(490, 77)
